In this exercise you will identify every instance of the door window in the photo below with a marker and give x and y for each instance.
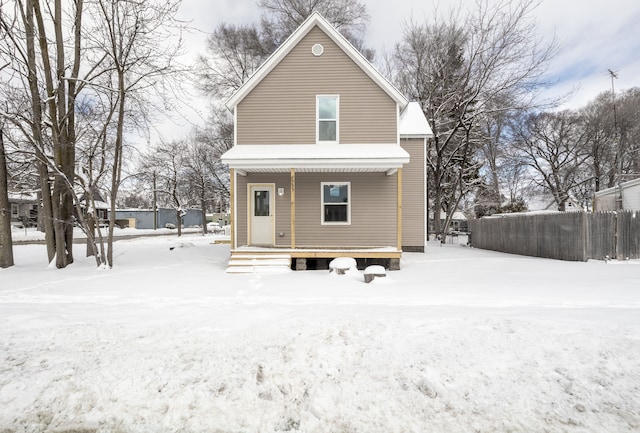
(261, 203)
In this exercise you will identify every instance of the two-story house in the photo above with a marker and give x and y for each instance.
(328, 159)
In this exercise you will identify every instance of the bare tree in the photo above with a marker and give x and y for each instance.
(282, 17)
(464, 70)
(50, 64)
(168, 163)
(628, 114)
(600, 136)
(217, 138)
(6, 241)
(139, 42)
(206, 176)
(554, 146)
(127, 51)
(234, 52)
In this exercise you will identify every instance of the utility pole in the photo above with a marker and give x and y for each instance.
(616, 136)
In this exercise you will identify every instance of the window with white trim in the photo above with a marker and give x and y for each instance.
(336, 202)
(328, 107)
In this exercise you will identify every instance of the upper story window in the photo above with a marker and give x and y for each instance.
(328, 107)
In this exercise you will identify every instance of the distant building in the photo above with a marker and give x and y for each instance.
(143, 218)
(546, 202)
(609, 199)
(24, 209)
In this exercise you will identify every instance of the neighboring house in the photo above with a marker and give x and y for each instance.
(143, 218)
(100, 204)
(328, 158)
(458, 223)
(609, 199)
(546, 202)
(24, 209)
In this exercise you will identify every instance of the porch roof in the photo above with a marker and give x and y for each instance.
(317, 157)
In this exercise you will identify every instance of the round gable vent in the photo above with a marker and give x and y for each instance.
(317, 50)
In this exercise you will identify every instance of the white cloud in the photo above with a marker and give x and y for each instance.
(594, 36)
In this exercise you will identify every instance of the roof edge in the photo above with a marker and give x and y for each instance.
(274, 59)
(614, 189)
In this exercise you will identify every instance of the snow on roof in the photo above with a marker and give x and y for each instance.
(413, 123)
(101, 205)
(616, 189)
(16, 196)
(344, 157)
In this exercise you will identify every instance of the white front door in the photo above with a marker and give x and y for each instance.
(261, 214)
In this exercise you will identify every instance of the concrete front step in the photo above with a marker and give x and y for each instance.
(242, 263)
(257, 269)
(259, 262)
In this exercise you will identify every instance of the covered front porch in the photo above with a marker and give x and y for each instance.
(251, 259)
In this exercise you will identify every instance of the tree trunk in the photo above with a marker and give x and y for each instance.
(116, 170)
(61, 101)
(6, 242)
(203, 206)
(45, 213)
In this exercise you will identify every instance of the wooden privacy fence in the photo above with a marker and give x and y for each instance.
(577, 236)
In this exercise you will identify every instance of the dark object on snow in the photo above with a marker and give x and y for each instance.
(373, 271)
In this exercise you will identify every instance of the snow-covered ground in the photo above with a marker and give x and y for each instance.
(459, 340)
(27, 234)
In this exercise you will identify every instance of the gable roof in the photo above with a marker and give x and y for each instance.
(546, 202)
(315, 19)
(413, 123)
(616, 189)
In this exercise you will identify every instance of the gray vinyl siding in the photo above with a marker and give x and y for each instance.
(373, 211)
(281, 109)
(282, 206)
(413, 195)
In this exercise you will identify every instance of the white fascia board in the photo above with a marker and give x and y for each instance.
(382, 164)
(280, 53)
(347, 156)
(616, 189)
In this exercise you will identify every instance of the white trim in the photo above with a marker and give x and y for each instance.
(350, 157)
(616, 189)
(425, 208)
(272, 209)
(392, 171)
(398, 123)
(235, 209)
(315, 19)
(337, 119)
(317, 50)
(322, 205)
(235, 126)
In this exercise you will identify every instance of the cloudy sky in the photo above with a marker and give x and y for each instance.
(594, 36)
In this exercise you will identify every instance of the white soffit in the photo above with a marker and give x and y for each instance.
(316, 157)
